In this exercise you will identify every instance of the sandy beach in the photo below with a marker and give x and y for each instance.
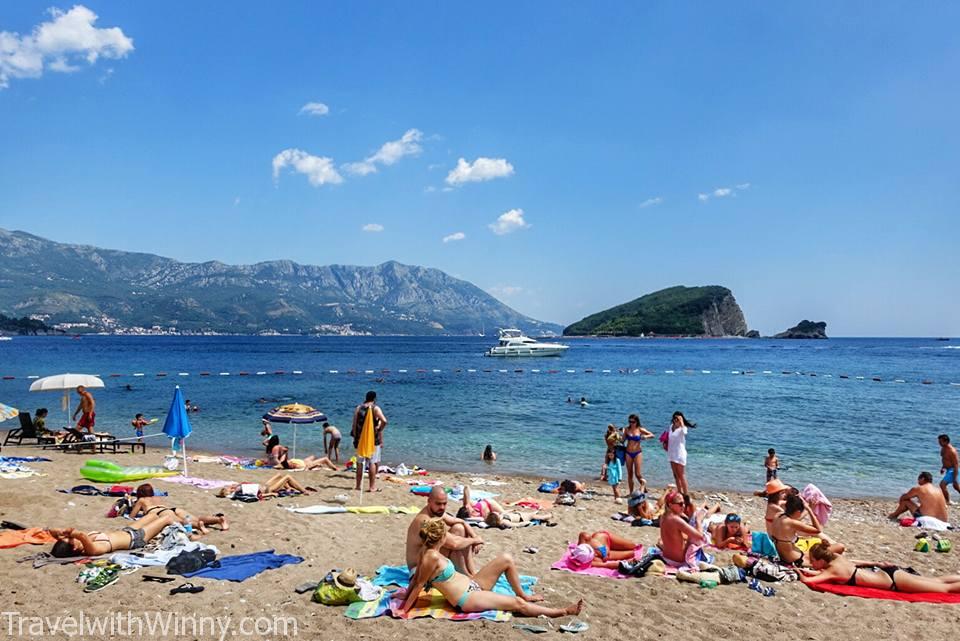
(650, 607)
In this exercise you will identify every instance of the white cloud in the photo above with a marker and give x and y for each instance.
(723, 192)
(479, 170)
(509, 222)
(373, 227)
(318, 170)
(505, 291)
(388, 154)
(59, 45)
(314, 109)
(651, 202)
(454, 236)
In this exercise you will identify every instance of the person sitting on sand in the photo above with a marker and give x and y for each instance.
(275, 484)
(147, 504)
(829, 567)
(70, 542)
(608, 548)
(679, 541)
(478, 509)
(775, 492)
(787, 528)
(924, 499)
(434, 570)
(732, 534)
(461, 544)
(488, 456)
(699, 517)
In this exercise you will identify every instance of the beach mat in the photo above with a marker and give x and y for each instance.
(874, 593)
(399, 575)
(30, 536)
(430, 604)
(243, 566)
(566, 564)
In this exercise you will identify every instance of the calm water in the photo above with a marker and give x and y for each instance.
(851, 437)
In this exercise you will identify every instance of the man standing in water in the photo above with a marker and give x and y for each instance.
(86, 409)
(949, 466)
(379, 424)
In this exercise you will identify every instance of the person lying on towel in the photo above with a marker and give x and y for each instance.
(70, 542)
(473, 595)
(829, 567)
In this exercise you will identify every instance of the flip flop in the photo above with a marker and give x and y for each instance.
(533, 629)
(187, 588)
(158, 579)
(531, 550)
(575, 626)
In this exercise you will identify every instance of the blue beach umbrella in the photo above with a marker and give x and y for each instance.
(177, 425)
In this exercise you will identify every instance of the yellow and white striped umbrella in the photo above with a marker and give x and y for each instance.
(8, 412)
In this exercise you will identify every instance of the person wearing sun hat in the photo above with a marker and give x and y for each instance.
(775, 491)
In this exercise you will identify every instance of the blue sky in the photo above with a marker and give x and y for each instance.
(805, 155)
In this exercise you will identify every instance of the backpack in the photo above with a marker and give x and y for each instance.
(190, 561)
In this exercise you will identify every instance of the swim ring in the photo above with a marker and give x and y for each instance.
(107, 472)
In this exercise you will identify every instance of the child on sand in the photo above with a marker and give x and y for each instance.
(138, 424)
(772, 463)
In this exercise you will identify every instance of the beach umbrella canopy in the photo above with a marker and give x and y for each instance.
(60, 382)
(295, 413)
(8, 412)
(66, 383)
(177, 424)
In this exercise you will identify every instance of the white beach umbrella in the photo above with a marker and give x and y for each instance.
(66, 383)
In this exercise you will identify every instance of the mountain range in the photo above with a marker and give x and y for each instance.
(111, 290)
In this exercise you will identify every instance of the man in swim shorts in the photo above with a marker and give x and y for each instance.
(924, 499)
(379, 424)
(950, 466)
(86, 409)
(461, 543)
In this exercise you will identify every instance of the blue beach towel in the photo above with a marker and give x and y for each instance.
(400, 575)
(762, 545)
(549, 486)
(243, 566)
(23, 459)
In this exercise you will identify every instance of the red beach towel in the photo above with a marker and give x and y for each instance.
(874, 593)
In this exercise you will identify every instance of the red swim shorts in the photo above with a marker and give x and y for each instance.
(87, 420)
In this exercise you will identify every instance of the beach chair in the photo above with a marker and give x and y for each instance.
(27, 431)
(75, 441)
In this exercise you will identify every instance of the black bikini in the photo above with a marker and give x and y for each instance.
(890, 570)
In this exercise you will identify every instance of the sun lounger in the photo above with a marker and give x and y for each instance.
(77, 441)
(26, 431)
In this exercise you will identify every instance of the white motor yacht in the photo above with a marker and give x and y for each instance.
(514, 343)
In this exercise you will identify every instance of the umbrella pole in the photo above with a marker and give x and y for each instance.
(183, 448)
(294, 440)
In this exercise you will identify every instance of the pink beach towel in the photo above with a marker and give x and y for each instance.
(566, 563)
(819, 503)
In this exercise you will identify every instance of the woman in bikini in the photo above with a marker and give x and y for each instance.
(148, 504)
(633, 434)
(473, 595)
(277, 483)
(829, 567)
(787, 528)
(278, 457)
(70, 542)
(478, 509)
(607, 547)
(776, 493)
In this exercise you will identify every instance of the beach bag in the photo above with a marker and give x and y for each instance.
(665, 439)
(333, 594)
(190, 561)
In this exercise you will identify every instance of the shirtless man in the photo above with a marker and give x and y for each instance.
(676, 534)
(86, 409)
(949, 466)
(924, 499)
(461, 543)
(332, 450)
(379, 424)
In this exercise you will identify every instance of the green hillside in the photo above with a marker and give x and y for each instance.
(689, 311)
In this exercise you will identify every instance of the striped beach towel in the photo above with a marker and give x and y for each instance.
(430, 604)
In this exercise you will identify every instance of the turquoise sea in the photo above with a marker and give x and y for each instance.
(815, 401)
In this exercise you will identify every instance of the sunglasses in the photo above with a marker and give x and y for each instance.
(733, 518)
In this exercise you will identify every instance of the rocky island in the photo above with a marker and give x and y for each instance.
(805, 329)
(676, 311)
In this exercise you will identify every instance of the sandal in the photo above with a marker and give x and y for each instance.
(187, 588)
(105, 576)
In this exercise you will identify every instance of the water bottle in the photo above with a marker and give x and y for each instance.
(188, 526)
